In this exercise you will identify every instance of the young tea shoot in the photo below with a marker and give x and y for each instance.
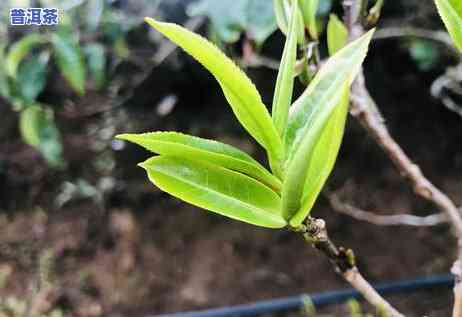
(301, 138)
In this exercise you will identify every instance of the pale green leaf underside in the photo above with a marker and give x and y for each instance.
(30, 122)
(452, 18)
(282, 13)
(217, 189)
(183, 145)
(237, 87)
(285, 80)
(326, 85)
(279, 13)
(337, 34)
(309, 116)
(323, 159)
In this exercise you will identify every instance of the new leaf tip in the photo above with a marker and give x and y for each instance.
(123, 136)
(152, 22)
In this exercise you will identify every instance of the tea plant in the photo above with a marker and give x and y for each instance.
(301, 137)
(301, 140)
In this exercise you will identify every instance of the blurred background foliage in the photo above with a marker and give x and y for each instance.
(68, 187)
(91, 42)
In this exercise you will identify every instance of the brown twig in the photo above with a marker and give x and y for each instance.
(449, 82)
(364, 109)
(407, 31)
(343, 260)
(384, 220)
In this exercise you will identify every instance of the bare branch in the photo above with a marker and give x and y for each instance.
(256, 60)
(384, 220)
(450, 81)
(364, 109)
(343, 260)
(407, 31)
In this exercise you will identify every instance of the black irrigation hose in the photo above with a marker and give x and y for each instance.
(320, 299)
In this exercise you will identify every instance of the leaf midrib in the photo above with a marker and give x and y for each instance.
(258, 210)
(249, 164)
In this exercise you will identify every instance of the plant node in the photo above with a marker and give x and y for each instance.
(315, 233)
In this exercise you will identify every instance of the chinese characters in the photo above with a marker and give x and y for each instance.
(34, 16)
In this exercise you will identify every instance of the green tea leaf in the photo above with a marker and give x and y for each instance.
(38, 129)
(323, 158)
(237, 87)
(32, 76)
(30, 122)
(217, 189)
(69, 60)
(96, 61)
(310, 115)
(213, 152)
(337, 34)
(457, 5)
(282, 12)
(309, 9)
(285, 81)
(451, 14)
(19, 50)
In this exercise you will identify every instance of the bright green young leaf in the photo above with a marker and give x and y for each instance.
(451, 14)
(96, 61)
(309, 9)
(213, 152)
(32, 75)
(217, 189)
(323, 158)
(300, 27)
(337, 34)
(237, 87)
(285, 81)
(457, 5)
(38, 129)
(19, 50)
(309, 116)
(280, 14)
(69, 60)
(282, 11)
